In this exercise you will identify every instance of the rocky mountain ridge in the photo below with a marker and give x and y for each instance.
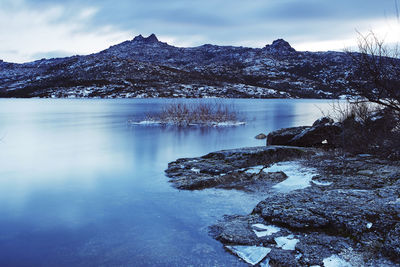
(147, 67)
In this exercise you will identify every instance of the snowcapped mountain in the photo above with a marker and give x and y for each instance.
(147, 67)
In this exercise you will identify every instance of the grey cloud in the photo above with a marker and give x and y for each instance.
(229, 22)
(131, 14)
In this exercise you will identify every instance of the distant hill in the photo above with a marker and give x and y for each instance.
(146, 67)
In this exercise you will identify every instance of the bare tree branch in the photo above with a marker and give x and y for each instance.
(376, 76)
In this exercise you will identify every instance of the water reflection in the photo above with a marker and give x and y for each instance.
(282, 115)
(79, 186)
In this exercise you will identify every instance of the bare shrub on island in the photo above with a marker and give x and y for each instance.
(211, 114)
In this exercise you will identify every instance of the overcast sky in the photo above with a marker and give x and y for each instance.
(34, 29)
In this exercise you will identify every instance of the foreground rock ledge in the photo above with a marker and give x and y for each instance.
(348, 215)
(231, 168)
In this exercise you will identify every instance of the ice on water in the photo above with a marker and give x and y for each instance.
(262, 230)
(211, 123)
(299, 176)
(286, 242)
(250, 254)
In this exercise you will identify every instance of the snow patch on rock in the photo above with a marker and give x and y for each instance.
(321, 183)
(255, 169)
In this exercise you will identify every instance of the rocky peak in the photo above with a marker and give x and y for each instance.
(148, 40)
(138, 38)
(151, 39)
(280, 45)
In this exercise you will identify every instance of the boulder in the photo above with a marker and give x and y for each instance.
(283, 136)
(260, 136)
(322, 130)
(317, 134)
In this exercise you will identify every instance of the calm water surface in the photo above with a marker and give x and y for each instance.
(79, 186)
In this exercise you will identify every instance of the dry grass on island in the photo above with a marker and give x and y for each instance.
(200, 114)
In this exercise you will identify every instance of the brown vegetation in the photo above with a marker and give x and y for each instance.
(197, 113)
(367, 128)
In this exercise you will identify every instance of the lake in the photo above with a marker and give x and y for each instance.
(80, 186)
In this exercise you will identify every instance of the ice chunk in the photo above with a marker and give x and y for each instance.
(264, 230)
(369, 225)
(335, 261)
(260, 226)
(286, 242)
(262, 233)
(250, 254)
(299, 176)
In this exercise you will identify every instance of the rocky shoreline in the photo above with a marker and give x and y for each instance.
(321, 208)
